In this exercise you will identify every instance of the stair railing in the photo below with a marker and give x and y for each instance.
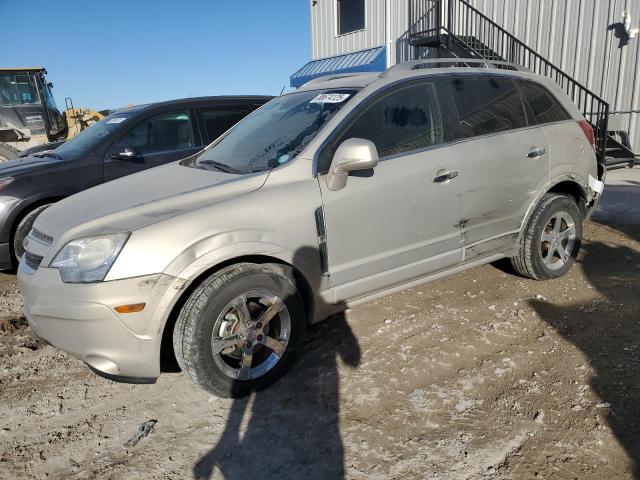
(464, 22)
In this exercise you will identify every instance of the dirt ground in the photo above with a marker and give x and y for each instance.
(480, 375)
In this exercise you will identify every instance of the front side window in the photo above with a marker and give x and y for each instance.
(545, 107)
(274, 134)
(487, 104)
(405, 119)
(218, 120)
(161, 133)
(350, 16)
(88, 139)
(18, 89)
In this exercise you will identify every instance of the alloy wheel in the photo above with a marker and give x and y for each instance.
(558, 240)
(251, 335)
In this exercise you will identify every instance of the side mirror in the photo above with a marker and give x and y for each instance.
(353, 154)
(127, 154)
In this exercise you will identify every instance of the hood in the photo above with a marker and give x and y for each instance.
(22, 165)
(141, 199)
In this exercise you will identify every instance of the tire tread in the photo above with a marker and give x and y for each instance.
(523, 262)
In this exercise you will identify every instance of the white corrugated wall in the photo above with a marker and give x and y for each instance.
(325, 41)
(574, 35)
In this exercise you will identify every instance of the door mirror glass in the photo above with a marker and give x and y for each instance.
(352, 155)
(126, 153)
(129, 152)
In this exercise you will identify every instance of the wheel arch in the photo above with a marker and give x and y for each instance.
(575, 190)
(168, 361)
(567, 185)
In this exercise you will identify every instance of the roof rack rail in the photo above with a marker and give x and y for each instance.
(326, 78)
(452, 63)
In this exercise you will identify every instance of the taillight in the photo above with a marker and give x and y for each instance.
(588, 132)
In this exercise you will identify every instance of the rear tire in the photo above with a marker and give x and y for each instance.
(551, 242)
(7, 152)
(240, 329)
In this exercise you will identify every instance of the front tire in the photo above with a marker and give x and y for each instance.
(240, 329)
(550, 244)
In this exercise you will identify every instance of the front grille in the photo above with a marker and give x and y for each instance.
(43, 237)
(32, 261)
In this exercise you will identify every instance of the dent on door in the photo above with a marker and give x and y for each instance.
(501, 176)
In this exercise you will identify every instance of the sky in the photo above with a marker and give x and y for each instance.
(111, 53)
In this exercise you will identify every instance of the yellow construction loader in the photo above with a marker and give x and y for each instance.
(29, 118)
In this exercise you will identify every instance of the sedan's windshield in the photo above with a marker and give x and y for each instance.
(274, 134)
(85, 141)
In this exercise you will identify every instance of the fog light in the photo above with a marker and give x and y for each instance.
(134, 308)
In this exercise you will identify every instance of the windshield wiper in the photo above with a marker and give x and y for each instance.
(223, 167)
(47, 153)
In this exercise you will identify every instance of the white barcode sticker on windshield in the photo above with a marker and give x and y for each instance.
(331, 98)
(117, 120)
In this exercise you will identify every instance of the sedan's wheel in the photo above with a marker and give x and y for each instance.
(240, 329)
(551, 242)
(22, 230)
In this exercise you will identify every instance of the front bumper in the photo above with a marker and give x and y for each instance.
(80, 319)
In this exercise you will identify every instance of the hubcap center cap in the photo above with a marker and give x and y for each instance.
(249, 334)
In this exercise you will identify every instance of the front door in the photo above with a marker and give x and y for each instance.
(159, 139)
(398, 221)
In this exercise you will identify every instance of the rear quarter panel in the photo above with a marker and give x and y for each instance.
(570, 152)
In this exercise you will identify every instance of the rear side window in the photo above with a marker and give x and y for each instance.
(487, 105)
(404, 119)
(220, 119)
(544, 106)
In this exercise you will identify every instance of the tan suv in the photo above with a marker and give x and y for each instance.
(347, 189)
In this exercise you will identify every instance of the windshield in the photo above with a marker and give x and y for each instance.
(89, 138)
(274, 134)
(18, 89)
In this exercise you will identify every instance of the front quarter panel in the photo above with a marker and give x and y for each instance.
(277, 220)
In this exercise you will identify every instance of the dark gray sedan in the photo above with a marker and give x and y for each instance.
(125, 142)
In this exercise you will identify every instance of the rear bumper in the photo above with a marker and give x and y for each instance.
(80, 319)
(5, 256)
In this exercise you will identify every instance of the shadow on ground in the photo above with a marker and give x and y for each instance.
(291, 429)
(607, 330)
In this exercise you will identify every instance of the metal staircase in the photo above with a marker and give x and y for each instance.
(467, 33)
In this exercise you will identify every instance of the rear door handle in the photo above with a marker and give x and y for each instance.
(536, 152)
(445, 176)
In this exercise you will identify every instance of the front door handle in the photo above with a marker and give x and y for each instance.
(445, 176)
(536, 152)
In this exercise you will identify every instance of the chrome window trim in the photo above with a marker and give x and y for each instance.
(413, 78)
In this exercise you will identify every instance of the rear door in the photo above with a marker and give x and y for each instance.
(158, 139)
(396, 222)
(504, 161)
(567, 143)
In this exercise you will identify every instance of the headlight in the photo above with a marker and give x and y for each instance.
(88, 259)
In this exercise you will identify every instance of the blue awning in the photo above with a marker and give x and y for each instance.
(370, 60)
